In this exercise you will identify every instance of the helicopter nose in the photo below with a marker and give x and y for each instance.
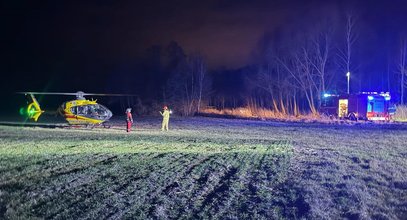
(108, 114)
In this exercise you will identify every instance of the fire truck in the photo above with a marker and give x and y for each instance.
(372, 106)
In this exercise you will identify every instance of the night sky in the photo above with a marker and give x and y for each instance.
(85, 45)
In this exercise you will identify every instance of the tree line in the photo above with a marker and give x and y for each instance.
(293, 66)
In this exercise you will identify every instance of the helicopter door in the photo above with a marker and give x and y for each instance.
(82, 110)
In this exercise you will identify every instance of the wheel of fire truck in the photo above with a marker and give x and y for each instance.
(352, 116)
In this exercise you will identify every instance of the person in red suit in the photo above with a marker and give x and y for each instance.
(129, 119)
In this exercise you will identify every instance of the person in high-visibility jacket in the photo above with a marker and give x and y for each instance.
(129, 119)
(166, 118)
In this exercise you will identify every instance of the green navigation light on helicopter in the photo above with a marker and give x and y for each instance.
(22, 111)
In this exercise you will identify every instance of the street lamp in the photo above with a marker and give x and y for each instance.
(348, 76)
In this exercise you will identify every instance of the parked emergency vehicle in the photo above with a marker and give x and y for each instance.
(371, 106)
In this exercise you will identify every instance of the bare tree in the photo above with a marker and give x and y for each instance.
(198, 69)
(320, 54)
(300, 68)
(266, 80)
(402, 69)
(188, 85)
(351, 38)
(345, 54)
(272, 81)
(309, 61)
(302, 54)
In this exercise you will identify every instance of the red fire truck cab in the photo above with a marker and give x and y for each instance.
(371, 106)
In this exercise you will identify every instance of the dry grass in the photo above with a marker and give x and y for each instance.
(401, 113)
(266, 114)
(247, 112)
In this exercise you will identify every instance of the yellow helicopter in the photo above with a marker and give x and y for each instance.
(76, 112)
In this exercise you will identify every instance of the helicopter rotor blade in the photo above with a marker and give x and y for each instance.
(75, 94)
(48, 93)
(107, 94)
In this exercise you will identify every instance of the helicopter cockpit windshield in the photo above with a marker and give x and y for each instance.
(96, 111)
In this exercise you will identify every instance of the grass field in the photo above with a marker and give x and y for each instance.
(205, 168)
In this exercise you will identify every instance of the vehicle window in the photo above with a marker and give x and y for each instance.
(74, 110)
(82, 110)
(91, 110)
(370, 106)
(101, 110)
(379, 106)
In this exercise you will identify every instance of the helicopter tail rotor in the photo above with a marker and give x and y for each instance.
(33, 111)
